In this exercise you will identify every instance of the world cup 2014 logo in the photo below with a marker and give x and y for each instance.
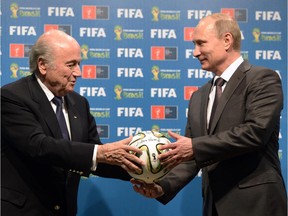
(118, 90)
(14, 10)
(14, 69)
(118, 31)
(84, 51)
(155, 71)
(155, 14)
(256, 34)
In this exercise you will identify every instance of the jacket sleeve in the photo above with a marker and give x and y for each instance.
(177, 179)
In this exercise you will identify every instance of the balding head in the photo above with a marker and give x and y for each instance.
(47, 45)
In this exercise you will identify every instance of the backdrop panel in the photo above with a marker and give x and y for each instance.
(138, 73)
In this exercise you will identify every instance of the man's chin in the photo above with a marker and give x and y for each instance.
(205, 66)
(69, 88)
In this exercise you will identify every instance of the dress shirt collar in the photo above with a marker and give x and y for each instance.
(47, 92)
(227, 74)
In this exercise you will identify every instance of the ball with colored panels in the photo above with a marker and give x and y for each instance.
(148, 142)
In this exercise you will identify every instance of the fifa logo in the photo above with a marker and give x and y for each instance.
(268, 15)
(14, 69)
(118, 31)
(60, 11)
(84, 51)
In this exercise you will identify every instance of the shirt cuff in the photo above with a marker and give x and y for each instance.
(94, 161)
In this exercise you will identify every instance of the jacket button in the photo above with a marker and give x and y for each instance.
(56, 207)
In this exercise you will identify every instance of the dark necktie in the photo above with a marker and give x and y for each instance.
(219, 82)
(60, 116)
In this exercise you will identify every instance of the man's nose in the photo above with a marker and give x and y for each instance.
(196, 51)
(77, 71)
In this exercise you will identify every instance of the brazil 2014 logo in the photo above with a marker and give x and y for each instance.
(14, 10)
(265, 36)
(164, 15)
(118, 90)
(155, 71)
(23, 11)
(84, 51)
(17, 71)
(14, 69)
(118, 32)
(155, 14)
(171, 74)
(256, 34)
(128, 93)
(128, 34)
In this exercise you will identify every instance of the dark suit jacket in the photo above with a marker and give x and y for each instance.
(239, 158)
(41, 171)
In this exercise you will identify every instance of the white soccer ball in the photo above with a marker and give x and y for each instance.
(148, 142)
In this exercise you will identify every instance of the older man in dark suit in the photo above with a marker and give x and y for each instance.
(237, 146)
(43, 157)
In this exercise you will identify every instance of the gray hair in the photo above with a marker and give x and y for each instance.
(41, 49)
(224, 24)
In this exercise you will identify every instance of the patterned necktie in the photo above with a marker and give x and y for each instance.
(60, 116)
(219, 82)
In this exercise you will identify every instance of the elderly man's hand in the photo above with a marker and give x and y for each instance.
(121, 154)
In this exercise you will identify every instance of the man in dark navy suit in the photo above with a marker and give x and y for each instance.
(41, 168)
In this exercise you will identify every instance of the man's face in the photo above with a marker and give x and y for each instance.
(61, 74)
(209, 49)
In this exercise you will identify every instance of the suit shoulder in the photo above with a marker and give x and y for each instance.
(260, 71)
(261, 68)
(18, 87)
(18, 83)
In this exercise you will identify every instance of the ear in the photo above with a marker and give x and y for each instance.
(228, 41)
(42, 66)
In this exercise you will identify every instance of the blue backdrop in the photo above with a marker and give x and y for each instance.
(138, 73)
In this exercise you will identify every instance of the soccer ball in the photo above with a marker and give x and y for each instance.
(148, 142)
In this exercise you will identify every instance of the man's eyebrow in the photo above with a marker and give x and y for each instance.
(73, 61)
(199, 41)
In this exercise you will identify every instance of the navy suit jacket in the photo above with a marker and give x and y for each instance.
(241, 171)
(40, 170)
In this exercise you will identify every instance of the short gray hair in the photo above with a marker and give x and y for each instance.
(41, 49)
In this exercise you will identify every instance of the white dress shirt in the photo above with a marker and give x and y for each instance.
(50, 96)
(226, 75)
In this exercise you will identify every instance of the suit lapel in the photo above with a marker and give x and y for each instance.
(204, 103)
(231, 86)
(48, 114)
(45, 107)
